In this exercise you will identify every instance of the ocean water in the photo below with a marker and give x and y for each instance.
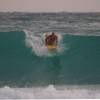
(29, 70)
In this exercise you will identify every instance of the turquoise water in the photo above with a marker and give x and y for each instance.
(21, 66)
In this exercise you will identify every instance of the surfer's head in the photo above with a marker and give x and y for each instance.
(53, 33)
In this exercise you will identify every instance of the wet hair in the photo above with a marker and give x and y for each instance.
(53, 33)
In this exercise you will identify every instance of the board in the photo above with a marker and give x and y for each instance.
(51, 47)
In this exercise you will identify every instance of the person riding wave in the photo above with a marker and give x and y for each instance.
(51, 40)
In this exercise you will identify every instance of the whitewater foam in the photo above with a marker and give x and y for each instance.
(51, 92)
(36, 42)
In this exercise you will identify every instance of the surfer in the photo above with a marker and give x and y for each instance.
(51, 40)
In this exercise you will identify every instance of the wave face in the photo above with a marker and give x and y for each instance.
(21, 65)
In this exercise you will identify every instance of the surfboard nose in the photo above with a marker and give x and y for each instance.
(52, 47)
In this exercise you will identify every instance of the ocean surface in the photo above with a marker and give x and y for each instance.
(29, 70)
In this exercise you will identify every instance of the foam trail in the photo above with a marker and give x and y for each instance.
(36, 42)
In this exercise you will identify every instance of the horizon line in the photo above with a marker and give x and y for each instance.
(50, 11)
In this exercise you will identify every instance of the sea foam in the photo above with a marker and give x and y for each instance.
(51, 92)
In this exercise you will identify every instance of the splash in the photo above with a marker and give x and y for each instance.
(36, 42)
